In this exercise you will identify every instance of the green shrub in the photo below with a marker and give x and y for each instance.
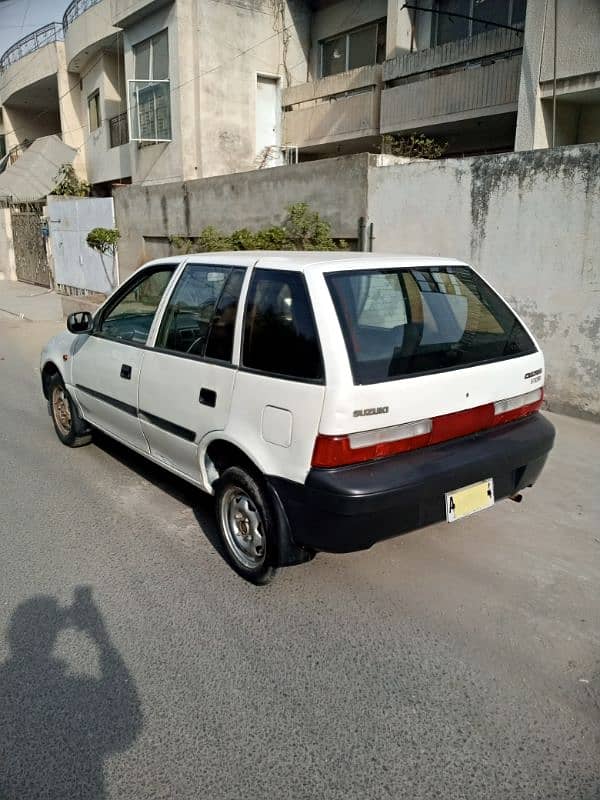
(68, 184)
(302, 229)
(413, 146)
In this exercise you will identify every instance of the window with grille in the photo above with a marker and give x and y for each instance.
(150, 91)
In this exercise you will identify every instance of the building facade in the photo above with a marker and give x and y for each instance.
(153, 91)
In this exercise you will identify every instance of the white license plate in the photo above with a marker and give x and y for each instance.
(470, 499)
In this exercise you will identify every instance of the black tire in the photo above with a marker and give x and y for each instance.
(250, 542)
(70, 427)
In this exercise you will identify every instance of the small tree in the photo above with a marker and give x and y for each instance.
(104, 241)
(68, 184)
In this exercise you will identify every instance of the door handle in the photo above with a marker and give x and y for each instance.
(126, 372)
(208, 397)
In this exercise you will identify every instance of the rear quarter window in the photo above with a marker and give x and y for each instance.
(402, 322)
(280, 336)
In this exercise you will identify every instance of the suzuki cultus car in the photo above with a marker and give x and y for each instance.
(326, 400)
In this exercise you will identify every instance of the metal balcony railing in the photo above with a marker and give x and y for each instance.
(74, 9)
(119, 130)
(53, 32)
(13, 154)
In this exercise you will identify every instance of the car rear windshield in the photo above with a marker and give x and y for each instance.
(400, 322)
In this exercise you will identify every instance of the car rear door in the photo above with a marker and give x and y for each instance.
(106, 368)
(187, 378)
(280, 385)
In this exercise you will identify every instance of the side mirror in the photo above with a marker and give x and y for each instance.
(80, 322)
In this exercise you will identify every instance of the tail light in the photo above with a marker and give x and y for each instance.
(337, 451)
(355, 448)
(520, 406)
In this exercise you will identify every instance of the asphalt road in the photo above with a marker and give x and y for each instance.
(462, 661)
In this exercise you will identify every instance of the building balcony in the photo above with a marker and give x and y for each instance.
(107, 162)
(464, 51)
(128, 12)
(473, 91)
(29, 44)
(34, 59)
(334, 109)
(87, 30)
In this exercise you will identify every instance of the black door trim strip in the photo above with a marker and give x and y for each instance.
(165, 424)
(111, 401)
(170, 427)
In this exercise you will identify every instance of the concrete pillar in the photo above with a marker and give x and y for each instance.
(74, 129)
(8, 267)
(399, 29)
(532, 131)
(186, 30)
(14, 127)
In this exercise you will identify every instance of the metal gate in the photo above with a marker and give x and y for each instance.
(31, 259)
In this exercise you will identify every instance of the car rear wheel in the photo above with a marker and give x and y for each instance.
(247, 526)
(70, 427)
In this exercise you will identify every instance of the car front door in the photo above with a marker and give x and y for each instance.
(106, 368)
(187, 379)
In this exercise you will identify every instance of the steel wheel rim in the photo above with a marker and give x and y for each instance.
(243, 526)
(61, 410)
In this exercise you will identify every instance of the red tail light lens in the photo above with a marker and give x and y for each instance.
(337, 451)
(355, 448)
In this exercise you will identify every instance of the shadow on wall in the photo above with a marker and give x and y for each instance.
(57, 727)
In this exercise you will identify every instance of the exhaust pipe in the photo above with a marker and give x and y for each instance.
(516, 497)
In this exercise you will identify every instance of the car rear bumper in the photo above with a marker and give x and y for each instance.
(351, 508)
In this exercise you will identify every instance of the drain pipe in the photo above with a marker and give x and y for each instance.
(362, 234)
(554, 75)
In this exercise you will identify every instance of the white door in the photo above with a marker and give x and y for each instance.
(106, 369)
(268, 122)
(187, 378)
(280, 387)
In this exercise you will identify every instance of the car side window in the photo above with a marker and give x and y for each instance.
(130, 319)
(188, 318)
(280, 336)
(220, 337)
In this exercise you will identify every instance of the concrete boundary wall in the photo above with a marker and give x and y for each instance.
(147, 215)
(530, 223)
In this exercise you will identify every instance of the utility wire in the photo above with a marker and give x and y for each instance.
(172, 90)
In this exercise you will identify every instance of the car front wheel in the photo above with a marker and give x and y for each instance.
(247, 526)
(70, 428)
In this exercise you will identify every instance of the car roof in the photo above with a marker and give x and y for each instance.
(308, 261)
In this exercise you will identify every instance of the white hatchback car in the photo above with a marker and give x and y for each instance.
(327, 400)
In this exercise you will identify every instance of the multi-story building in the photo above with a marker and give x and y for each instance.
(68, 79)
(170, 90)
(477, 74)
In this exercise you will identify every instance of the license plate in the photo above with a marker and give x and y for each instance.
(470, 499)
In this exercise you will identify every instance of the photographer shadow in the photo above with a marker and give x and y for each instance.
(57, 727)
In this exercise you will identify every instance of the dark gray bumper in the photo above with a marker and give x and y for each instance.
(351, 508)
